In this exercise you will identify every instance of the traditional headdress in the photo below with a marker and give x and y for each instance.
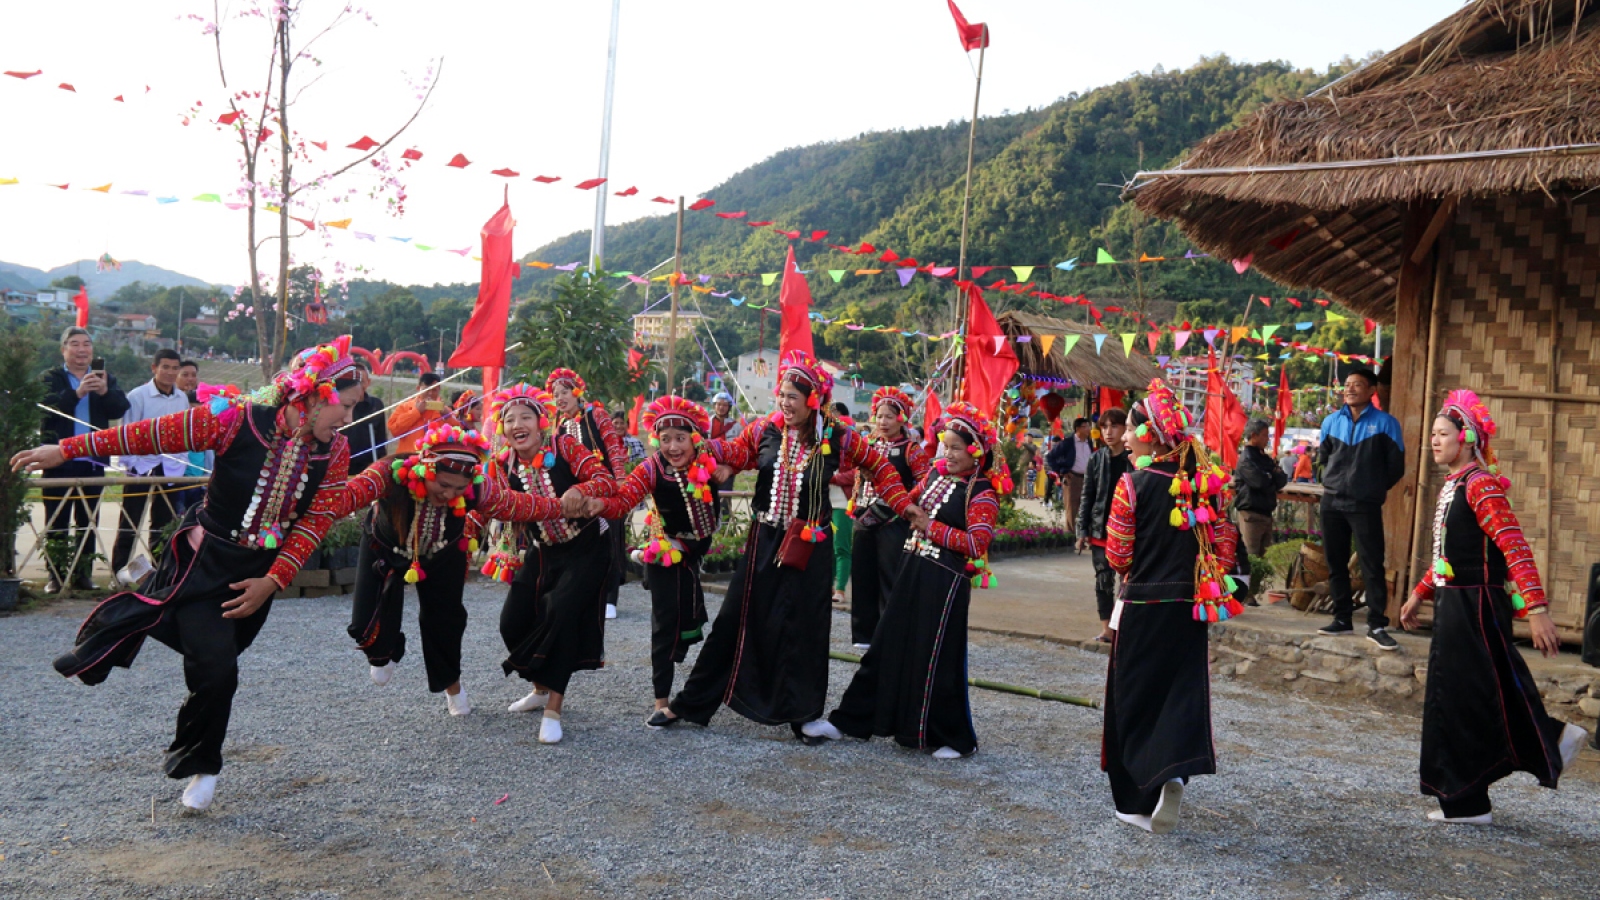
(675, 412)
(444, 448)
(1472, 417)
(802, 369)
(1166, 419)
(894, 397)
(318, 374)
(565, 376)
(522, 394)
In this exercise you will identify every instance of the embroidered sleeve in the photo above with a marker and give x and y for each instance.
(631, 490)
(362, 489)
(194, 429)
(497, 500)
(586, 466)
(1424, 588)
(982, 512)
(1493, 512)
(853, 448)
(310, 528)
(475, 521)
(1225, 540)
(919, 461)
(743, 452)
(1120, 526)
(844, 476)
(616, 451)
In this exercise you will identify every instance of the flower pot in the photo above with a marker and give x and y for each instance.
(9, 593)
(1273, 597)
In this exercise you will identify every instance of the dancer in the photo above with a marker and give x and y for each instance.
(553, 621)
(593, 427)
(1169, 537)
(767, 654)
(1106, 468)
(415, 536)
(912, 684)
(1482, 717)
(683, 517)
(880, 535)
(277, 482)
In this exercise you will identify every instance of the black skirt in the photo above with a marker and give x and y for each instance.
(1482, 717)
(553, 621)
(912, 684)
(1158, 696)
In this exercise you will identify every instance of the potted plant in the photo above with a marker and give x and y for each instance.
(19, 430)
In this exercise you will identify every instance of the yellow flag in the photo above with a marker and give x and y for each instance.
(1046, 341)
(1240, 332)
(1335, 317)
(104, 188)
(8, 181)
(868, 271)
(1127, 343)
(338, 223)
(540, 265)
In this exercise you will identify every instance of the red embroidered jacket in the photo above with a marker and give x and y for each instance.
(199, 429)
(1492, 510)
(632, 490)
(983, 510)
(494, 501)
(744, 452)
(593, 418)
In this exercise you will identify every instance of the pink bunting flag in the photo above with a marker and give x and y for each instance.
(462, 252)
(627, 193)
(943, 271)
(638, 280)
(413, 154)
(905, 275)
(547, 179)
(458, 162)
(589, 184)
(999, 342)
(1243, 265)
(730, 215)
(1179, 338)
(566, 268)
(1211, 336)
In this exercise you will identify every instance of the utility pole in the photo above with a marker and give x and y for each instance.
(597, 239)
(672, 318)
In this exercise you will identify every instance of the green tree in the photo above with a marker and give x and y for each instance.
(580, 327)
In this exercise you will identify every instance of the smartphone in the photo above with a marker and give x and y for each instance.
(436, 405)
(98, 364)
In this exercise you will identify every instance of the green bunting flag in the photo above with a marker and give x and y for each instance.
(1071, 341)
(837, 274)
(1103, 258)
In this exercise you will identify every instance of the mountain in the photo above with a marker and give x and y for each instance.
(101, 284)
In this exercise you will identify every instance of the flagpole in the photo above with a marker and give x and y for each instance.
(597, 239)
(966, 209)
(672, 317)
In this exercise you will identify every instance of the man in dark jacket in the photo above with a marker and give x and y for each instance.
(1257, 481)
(82, 400)
(367, 438)
(1105, 469)
(1363, 456)
(1069, 461)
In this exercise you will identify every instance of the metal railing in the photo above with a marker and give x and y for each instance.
(57, 504)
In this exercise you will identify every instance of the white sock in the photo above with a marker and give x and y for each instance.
(1485, 819)
(1165, 817)
(534, 700)
(457, 703)
(550, 728)
(1134, 820)
(199, 793)
(862, 647)
(946, 753)
(382, 674)
(821, 728)
(1571, 742)
(611, 610)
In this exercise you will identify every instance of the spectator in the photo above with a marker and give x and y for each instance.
(1362, 456)
(92, 397)
(410, 419)
(636, 451)
(1027, 455)
(1304, 472)
(1069, 460)
(464, 406)
(366, 433)
(727, 426)
(1257, 481)
(1106, 468)
(155, 398)
(188, 377)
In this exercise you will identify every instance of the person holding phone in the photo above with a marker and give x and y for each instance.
(411, 418)
(81, 398)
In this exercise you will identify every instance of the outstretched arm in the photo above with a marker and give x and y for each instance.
(854, 449)
(630, 490)
(309, 529)
(973, 541)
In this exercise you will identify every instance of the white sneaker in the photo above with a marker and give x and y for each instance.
(457, 703)
(821, 728)
(1135, 821)
(200, 792)
(549, 730)
(136, 569)
(862, 647)
(382, 674)
(1572, 738)
(1485, 819)
(611, 610)
(533, 701)
(947, 753)
(1165, 818)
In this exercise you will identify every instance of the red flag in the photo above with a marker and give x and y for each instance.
(589, 184)
(1224, 417)
(930, 417)
(974, 35)
(633, 415)
(483, 340)
(1285, 407)
(1110, 398)
(81, 301)
(990, 362)
(794, 298)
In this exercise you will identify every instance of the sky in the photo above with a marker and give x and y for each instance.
(704, 89)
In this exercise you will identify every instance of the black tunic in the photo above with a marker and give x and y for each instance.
(878, 542)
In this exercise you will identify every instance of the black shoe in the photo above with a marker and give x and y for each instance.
(1380, 636)
(1337, 626)
(660, 719)
(53, 586)
(810, 741)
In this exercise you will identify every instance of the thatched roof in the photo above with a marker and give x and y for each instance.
(1503, 96)
(1109, 368)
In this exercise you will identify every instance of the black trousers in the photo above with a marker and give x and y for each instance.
(80, 508)
(1105, 583)
(210, 645)
(1473, 804)
(1365, 527)
(160, 498)
(375, 614)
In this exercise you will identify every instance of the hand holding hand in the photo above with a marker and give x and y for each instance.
(595, 507)
(722, 473)
(574, 505)
(921, 522)
(38, 459)
(255, 591)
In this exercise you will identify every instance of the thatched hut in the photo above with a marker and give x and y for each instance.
(1445, 188)
(1111, 367)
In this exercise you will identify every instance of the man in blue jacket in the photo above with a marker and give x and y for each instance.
(1362, 456)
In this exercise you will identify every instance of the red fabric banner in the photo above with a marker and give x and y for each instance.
(81, 301)
(1224, 418)
(794, 298)
(483, 340)
(1285, 407)
(973, 35)
(930, 417)
(990, 362)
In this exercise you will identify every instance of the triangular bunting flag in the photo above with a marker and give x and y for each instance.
(1154, 338)
(1211, 335)
(905, 275)
(999, 342)
(1162, 361)
(1104, 258)
(1179, 338)
(1243, 265)
(836, 274)
(1099, 341)
(767, 278)
(1046, 341)
(1023, 273)
(1267, 330)
(1335, 317)
(1238, 333)
(1072, 341)
(1127, 343)
(1069, 265)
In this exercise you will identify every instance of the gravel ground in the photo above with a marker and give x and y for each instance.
(337, 789)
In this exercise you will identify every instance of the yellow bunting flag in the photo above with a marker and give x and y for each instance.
(1335, 317)
(1046, 341)
(539, 265)
(1127, 343)
(868, 271)
(767, 278)
(1023, 273)
(8, 181)
(104, 188)
(337, 223)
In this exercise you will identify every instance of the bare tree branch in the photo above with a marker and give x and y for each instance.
(439, 72)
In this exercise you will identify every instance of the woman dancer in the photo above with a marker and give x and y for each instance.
(1168, 536)
(912, 684)
(593, 427)
(415, 536)
(278, 478)
(767, 655)
(553, 621)
(880, 535)
(1482, 717)
(683, 517)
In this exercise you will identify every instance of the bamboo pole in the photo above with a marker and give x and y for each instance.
(998, 686)
(1429, 385)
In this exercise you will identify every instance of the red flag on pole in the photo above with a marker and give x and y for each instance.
(1224, 417)
(483, 340)
(1285, 406)
(81, 301)
(974, 36)
(931, 411)
(794, 298)
(991, 361)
